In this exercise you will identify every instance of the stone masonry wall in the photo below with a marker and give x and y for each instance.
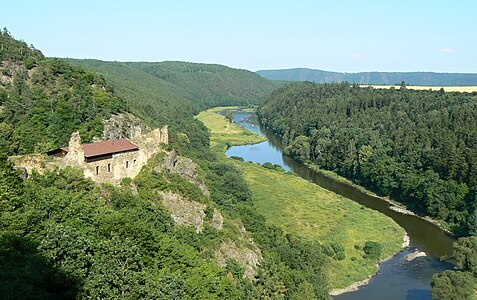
(114, 169)
(121, 165)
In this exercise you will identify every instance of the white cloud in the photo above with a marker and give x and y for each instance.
(447, 50)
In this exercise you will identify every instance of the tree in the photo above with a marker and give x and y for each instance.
(27, 274)
(11, 185)
(450, 285)
(372, 250)
(299, 148)
(465, 252)
(229, 116)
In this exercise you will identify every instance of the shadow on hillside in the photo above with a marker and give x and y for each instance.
(27, 274)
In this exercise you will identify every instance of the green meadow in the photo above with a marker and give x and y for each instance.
(225, 133)
(310, 211)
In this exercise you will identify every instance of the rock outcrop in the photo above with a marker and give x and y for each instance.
(185, 167)
(123, 126)
(184, 211)
(247, 258)
(217, 220)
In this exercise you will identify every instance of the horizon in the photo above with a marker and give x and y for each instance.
(432, 36)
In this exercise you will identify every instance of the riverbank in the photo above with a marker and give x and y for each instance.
(356, 285)
(225, 133)
(312, 212)
(394, 205)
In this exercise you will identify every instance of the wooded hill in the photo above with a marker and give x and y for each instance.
(152, 85)
(43, 100)
(64, 237)
(419, 147)
(383, 78)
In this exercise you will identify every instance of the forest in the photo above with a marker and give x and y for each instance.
(43, 100)
(152, 85)
(64, 237)
(418, 147)
(381, 78)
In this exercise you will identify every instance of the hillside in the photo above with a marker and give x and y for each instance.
(307, 210)
(416, 146)
(382, 78)
(175, 231)
(181, 83)
(43, 100)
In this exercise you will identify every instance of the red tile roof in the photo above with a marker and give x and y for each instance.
(106, 147)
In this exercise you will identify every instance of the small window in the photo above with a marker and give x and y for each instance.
(109, 167)
(134, 161)
(97, 170)
(127, 164)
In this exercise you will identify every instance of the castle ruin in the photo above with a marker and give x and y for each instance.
(112, 160)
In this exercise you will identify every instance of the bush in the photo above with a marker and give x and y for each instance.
(372, 250)
(337, 247)
(328, 250)
(237, 158)
(268, 165)
(340, 256)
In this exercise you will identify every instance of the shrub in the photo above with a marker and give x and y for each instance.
(340, 256)
(372, 249)
(268, 165)
(328, 250)
(337, 247)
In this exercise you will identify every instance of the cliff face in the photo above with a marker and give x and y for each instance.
(185, 167)
(186, 212)
(123, 126)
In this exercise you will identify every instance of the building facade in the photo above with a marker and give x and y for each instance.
(111, 161)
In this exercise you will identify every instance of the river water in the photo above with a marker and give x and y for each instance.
(398, 278)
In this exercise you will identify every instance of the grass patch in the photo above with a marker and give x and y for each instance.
(225, 133)
(308, 210)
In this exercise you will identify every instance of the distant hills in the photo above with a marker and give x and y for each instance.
(158, 86)
(386, 78)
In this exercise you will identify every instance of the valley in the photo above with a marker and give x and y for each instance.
(240, 187)
(313, 213)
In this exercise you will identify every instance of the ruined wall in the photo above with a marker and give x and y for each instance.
(114, 169)
(121, 165)
(75, 155)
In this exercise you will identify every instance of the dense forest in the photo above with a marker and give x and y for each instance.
(64, 237)
(182, 84)
(386, 78)
(419, 147)
(43, 100)
(171, 92)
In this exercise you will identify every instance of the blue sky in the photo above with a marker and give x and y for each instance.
(345, 35)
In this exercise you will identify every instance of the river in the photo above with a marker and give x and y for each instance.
(398, 278)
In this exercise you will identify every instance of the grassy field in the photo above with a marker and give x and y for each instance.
(224, 133)
(308, 210)
(434, 88)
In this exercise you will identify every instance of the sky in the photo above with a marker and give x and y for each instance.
(333, 35)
